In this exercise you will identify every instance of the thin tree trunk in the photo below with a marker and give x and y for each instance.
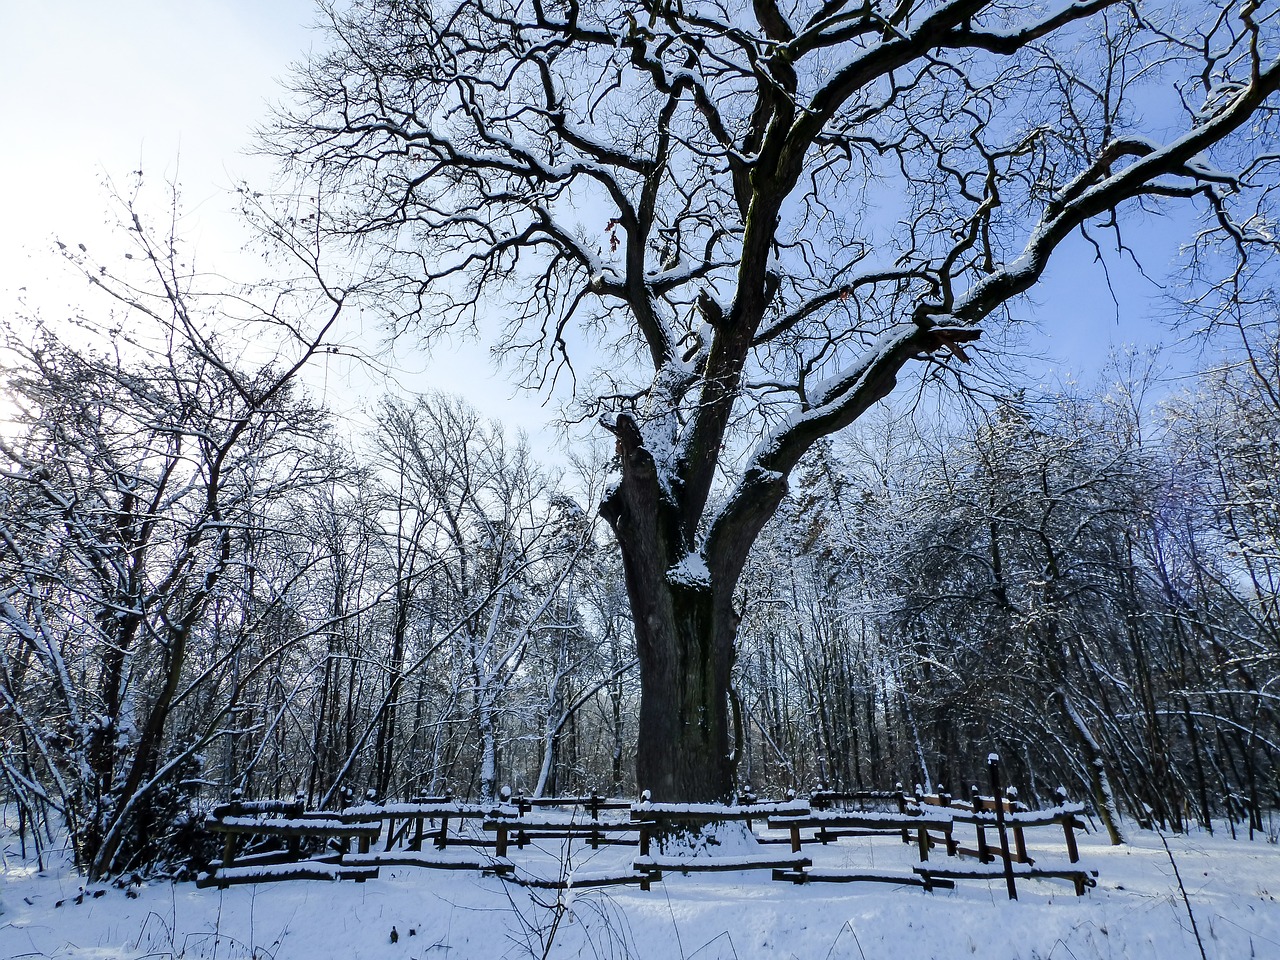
(1100, 783)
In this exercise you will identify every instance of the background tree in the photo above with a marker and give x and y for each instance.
(1050, 576)
(507, 548)
(143, 458)
(1220, 561)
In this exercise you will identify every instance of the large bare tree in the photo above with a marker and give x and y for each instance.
(759, 214)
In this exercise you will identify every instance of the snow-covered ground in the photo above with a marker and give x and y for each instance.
(1135, 912)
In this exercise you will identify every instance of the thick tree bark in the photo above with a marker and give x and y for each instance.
(686, 651)
(685, 625)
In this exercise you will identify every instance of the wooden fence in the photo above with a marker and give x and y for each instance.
(981, 839)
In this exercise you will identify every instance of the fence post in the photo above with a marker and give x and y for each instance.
(902, 808)
(1019, 837)
(993, 771)
(1068, 825)
(984, 852)
(645, 826)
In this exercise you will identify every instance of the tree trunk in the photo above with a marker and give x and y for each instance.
(619, 728)
(686, 655)
(686, 630)
(487, 722)
(1099, 782)
(384, 751)
(546, 769)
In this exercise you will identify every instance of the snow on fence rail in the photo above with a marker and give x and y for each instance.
(293, 862)
(927, 821)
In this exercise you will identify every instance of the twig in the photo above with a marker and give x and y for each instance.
(848, 925)
(674, 925)
(722, 934)
(1183, 890)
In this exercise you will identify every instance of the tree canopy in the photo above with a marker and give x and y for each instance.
(761, 213)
